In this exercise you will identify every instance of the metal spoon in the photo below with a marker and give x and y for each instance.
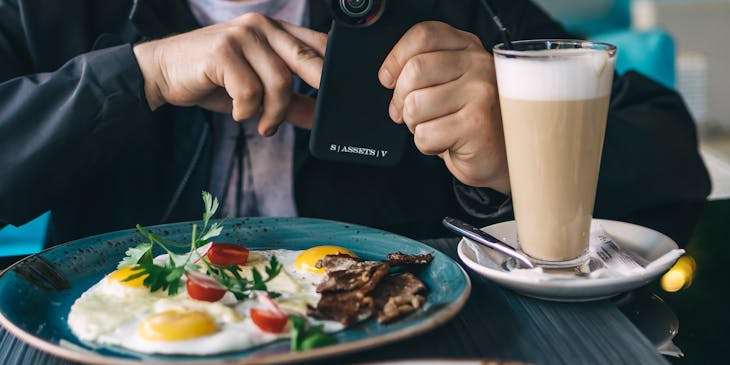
(477, 235)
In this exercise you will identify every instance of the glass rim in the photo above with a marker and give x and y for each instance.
(537, 53)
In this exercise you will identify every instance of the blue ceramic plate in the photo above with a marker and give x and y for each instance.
(36, 293)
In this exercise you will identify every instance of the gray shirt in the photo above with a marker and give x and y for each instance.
(252, 175)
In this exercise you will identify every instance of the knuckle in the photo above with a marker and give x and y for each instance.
(423, 140)
(250, 93)
(223, 45)
(410, 106)
(423, 32)
(411, 124)
(248, 33)
(255, 19)
(304, 53)
(258, 38)
(281, 82)
(415, 66)
(474, 38)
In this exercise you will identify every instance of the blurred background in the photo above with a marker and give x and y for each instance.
(683, 44)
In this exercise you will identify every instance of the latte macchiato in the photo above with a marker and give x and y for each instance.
(554, 106)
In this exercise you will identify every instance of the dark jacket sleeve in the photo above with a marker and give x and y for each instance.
(56, 125)
(650, 155)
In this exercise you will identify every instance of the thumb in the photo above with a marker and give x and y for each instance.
(301, 111)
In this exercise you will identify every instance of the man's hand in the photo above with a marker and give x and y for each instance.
(445, 91)
(241, 67)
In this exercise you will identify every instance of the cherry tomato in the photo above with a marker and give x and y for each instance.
(268, 320)
(268, 317)
(203, 287)
(227, 254)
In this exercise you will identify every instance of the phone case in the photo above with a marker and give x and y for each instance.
(351, 122)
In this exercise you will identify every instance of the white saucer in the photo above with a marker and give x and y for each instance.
(641, 241)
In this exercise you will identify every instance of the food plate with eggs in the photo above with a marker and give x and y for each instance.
(119, 321)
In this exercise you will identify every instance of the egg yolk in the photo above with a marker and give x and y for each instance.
(125, 272)
(307, 260)
(176, 326)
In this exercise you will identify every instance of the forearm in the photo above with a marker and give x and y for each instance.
(54, 126)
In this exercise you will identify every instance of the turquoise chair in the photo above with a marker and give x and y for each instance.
(650, 52)
(24, 240)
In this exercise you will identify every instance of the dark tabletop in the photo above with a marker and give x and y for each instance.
(496, 323)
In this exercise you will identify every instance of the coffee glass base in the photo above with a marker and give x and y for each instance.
(568, 264)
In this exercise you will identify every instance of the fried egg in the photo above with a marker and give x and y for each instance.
(126, 314)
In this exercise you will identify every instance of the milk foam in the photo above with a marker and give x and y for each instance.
(577, 74)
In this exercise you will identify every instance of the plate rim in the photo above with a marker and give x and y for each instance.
(515, 283)
(91, 357)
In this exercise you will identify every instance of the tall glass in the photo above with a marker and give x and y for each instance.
(554, 97)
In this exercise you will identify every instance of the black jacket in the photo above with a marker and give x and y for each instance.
(77, 136)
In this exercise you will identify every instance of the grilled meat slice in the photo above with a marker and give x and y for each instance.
(344, 307)
(397, 296)
(361, 276)
(401, 259)
(354, 288)
(336, 262)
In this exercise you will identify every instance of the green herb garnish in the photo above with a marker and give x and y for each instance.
(167, 277)
(306, 337)
(229, 278)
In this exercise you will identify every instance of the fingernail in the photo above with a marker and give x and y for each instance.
(386, 78)
(270, 132)
(394, 113)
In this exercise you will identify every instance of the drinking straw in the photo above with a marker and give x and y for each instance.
(502, 29)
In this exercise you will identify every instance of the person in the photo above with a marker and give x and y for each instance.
(121, 112)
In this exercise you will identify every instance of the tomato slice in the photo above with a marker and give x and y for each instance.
(268, 317)
(203, 287)
(227, 254)
(268, 320)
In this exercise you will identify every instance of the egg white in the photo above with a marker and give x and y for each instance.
(110, 313)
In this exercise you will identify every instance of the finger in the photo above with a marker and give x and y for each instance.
(242, 85)
(301, 49)
(425, 70)
(431, 103)
(276, 79)
(312, 38)
(439, 135)
(301, 111)
(423, 38)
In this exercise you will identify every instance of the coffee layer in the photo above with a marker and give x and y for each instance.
(579, 74)
(553, 151)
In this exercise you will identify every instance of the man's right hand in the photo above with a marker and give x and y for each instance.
(240, 67)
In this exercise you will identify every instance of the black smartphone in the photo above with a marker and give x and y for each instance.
(351, 121)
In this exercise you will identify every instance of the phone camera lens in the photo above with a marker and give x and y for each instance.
(356, 8)
(357, 13)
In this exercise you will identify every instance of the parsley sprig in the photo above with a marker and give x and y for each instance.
(167, 276)
(229, 278)
(306, 337)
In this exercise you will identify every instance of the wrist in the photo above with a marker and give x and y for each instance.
(148, 65)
